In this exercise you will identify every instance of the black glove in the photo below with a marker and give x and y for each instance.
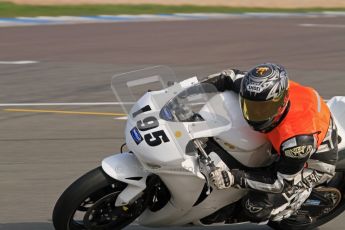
(223, 80)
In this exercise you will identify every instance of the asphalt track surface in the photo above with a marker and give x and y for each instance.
(42, 153)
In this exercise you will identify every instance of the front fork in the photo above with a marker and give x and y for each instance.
(126, 168)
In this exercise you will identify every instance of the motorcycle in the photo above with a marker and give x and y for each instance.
(177, 132)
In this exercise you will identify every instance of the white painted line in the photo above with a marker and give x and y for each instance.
(121, 118)
(270, 14)
(323, 25)
(58, 20)
(64, 104)
(65, 112)
(130, 16)
(18, 62)
(74, 18)
(334, 12)
(73, 104)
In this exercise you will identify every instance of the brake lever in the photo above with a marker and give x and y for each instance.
(206, 164)
(208, 161)
(205, 172)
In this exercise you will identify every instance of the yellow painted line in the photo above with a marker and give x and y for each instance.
(64, 112)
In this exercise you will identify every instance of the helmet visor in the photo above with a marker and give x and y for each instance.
(258, 111)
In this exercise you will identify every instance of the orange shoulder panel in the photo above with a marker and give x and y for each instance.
(308, 114)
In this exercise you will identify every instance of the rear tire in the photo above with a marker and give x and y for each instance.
(339, 183)
(90, 203)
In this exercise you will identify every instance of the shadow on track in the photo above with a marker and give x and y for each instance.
(49, 226)
(26, 226)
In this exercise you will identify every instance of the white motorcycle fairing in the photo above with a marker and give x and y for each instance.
(337, 107)
(125, 167)
(159, 143)
(162, 147)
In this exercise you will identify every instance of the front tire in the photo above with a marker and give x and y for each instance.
(89, 203)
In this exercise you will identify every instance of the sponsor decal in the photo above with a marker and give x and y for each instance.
(313, 178)
(166, 114)
(309, 149)
(178, 134)
(313, 202)
(299, 151)
(257, 85)
(136, 135)
(262, 70)
(254, 88)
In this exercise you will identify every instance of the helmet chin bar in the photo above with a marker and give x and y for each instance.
(261, 126)
(268, 125)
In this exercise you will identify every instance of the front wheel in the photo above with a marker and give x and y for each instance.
(89, 203)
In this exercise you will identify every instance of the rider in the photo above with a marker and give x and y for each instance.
(300, 127)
